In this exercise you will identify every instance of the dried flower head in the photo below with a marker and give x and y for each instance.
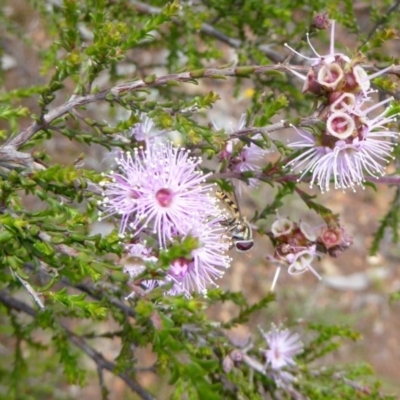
(295, 247)
(334, 71)
(334, 240)
(321, 21)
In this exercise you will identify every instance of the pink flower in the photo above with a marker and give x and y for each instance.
(351, 147)
(243, 157)
(283, 346)
(145, 130)
(206, 263)
(160, 189)
(248, 159)
(193, 274)
(135, 264)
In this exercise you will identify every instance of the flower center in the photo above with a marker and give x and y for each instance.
(330, 76)
(340, 125)
(180, 267)
(164, 197)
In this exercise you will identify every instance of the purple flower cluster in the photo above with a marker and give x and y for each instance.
(159, 193)
(353, 143)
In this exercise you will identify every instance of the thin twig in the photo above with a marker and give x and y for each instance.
(255, 130)
(389, 180)
(102, 363)
(104, 390)
(98, 358)
(92, 292)
(272, 128)
(381, 20)
(209, 30)
(31, 291)
(90, 289)
(62, 248)
(152, 81)
(257, 175)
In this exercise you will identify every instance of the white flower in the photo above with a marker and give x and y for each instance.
(282, 347)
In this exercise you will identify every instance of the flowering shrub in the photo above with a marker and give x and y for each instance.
(121, 195)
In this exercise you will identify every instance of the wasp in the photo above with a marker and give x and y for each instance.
(237, 225)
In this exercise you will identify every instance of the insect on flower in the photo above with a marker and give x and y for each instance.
(237, 225)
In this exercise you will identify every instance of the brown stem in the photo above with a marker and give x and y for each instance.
(101, 363)
(209, 30)
(151, 81)
(389, 180)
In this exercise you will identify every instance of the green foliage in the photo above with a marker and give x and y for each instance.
(390, 220)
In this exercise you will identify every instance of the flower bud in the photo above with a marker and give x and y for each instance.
(321, 21)
(236, 356)
(227, 364)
